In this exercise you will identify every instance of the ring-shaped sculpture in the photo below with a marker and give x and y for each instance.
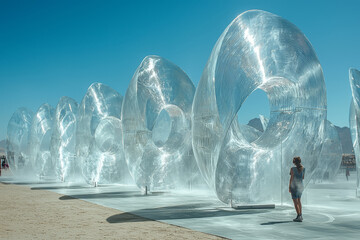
(354, 119)
(18, 131)
(40, 141)
(63, 139)
(156, 125)
(98, 136)
(258, 50)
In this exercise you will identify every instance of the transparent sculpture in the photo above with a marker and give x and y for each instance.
(354, 119)
(258, 50)
(40, 141)
(331, 155)
(63, 139)
(99, 136)
(18, 131)
(156, 126)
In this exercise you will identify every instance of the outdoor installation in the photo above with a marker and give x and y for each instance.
(156, 126)
(99, 136)
(63, 138)
(18, 131)
(331, 155)
(40, 142)
(258, 50)
(354, 77)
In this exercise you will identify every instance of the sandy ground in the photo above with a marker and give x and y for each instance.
(39, 214)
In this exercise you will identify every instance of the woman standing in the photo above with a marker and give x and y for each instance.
(296, 186)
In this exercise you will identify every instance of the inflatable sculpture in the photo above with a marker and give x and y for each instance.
(258, 50)
(354, 77)
(18, 131)
(63, 138)
(99, 136)
(330, 156)
(40, 142)
(156, 126)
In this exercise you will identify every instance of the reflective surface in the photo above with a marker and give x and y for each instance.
(40, 142)
(331, 155)
(98, 146)
(354, 77)
(259, 50)
(63, 138)
(156, 123)
(18, 131)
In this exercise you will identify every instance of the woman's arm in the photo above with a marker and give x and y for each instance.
(291, 178)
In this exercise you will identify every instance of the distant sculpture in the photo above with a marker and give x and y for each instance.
(354, 77)
(330, 156)
(63, 138)
(40, 142)
(98, 136)
(156, 125)
(18, 131)
(258, 50)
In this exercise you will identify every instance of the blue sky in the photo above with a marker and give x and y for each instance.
(50, 49)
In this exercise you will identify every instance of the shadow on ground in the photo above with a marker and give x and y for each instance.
(185, 211)
(276, 222)
(107, 195)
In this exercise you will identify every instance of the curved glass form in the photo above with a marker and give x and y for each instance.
(354, 119)
(258, 50)
(40, 141)
(331, 155)
(63, 138)
(156, 125)
(98, 136)
(18, 131)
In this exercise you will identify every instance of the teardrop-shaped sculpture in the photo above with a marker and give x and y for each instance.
(331, 155)
(156, 125)
(64, 139)
(40, 142)
(354, 119)
(98, 127)
(258, 50)
(18, 132)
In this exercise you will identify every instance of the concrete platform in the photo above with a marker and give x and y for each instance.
(331, 210)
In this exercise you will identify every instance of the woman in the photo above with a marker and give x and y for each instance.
(296, 186)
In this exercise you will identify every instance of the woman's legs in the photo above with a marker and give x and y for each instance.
(296, 206)
(300, 206)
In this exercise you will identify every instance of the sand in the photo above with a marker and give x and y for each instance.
(40, 214)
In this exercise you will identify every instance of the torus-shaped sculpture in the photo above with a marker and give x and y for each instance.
(156, 125)
(63, 138)
(98, 136)
(354, 77)
(258, 50)
(40, 141)
(18, 131)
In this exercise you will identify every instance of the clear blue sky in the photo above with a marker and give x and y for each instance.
(50, 49)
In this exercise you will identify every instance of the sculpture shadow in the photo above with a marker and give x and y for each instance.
(186, 211)
(31, 183)
(276, 222)
(58, 187)
(107, 195)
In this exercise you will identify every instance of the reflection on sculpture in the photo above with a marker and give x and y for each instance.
(330, 156)
(354, 77)
(156, 125)
(40, 141)
(98, 135)
(18, 131)
(63, 138)
(258, 50)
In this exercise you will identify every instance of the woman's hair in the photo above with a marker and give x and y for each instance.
(297, 162)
